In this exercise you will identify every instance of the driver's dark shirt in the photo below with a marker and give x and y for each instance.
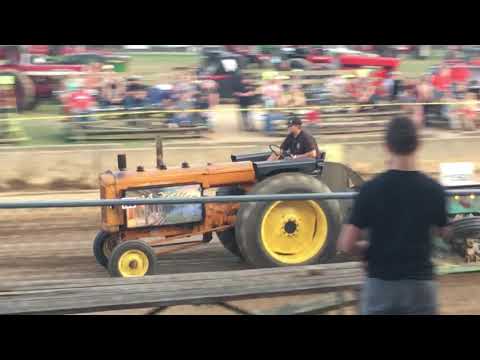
(300, 145)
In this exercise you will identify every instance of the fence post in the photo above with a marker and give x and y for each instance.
(159, 147)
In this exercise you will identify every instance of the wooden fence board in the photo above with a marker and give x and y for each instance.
(63, 296)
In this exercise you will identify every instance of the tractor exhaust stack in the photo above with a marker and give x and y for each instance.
(122, 162)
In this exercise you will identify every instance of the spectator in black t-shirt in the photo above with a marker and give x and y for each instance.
(298, 144)
(399, 208)
(245, 92)
(136, 93)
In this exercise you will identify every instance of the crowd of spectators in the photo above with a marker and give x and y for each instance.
(102, 88)
(421, 97)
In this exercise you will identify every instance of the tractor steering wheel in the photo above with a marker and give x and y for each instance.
(272, 149)
(280, 154)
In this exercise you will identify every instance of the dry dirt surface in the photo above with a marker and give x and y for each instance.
(57, 244)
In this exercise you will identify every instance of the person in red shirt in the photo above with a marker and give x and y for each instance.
(353, 88)
(380, 91)
(80, 102)
(367, 93)
(442, 81)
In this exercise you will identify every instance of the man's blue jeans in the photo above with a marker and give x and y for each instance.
(402, 297)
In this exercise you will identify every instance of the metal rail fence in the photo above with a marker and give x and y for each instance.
(199, 200)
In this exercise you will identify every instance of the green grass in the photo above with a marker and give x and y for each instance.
(43, 132)
(160, 67)
(416, 67)
(411, 67)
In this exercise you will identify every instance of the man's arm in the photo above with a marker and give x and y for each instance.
(349, 241)
(272, 157)
(350, 238)
(441, 227)
(310, 154)
(443, 232)
(309, 148)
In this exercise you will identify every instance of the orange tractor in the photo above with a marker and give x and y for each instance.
(263, 234)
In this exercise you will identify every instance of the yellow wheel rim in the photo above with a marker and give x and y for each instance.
(293, 232)
(133, 263)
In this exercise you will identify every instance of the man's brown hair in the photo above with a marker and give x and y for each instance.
(401, 136)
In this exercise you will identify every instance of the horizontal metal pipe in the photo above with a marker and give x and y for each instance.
(199, 200)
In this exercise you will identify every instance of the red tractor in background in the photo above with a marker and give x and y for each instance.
(34, 80)
(40, 69)
(53, 50)
(319, 57)
(415, 51)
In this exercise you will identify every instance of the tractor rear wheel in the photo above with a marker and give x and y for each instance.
(24, 90)
(461, 230)
(132, 259)
(227, 239)
(103, 246)
(468, 227)
(283, 233)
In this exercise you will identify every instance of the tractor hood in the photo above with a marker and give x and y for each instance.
(208, 176)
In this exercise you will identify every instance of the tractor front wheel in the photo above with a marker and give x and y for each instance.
(103, 246)
(227, 237)
(284, 233)
(132, 259)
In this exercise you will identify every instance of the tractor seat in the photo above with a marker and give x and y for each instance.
(320, 159)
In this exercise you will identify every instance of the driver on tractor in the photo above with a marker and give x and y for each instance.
(298, 144)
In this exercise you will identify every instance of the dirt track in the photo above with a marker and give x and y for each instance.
(56, 244)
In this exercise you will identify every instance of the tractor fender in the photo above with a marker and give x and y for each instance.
(265, 169)
(341, 178)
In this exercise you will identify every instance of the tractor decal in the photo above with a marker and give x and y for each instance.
(160, 215)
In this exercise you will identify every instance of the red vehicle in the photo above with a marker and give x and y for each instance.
(304, 57)
(62, 50)
(417, 51)
(35, 77)
(38, 81)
